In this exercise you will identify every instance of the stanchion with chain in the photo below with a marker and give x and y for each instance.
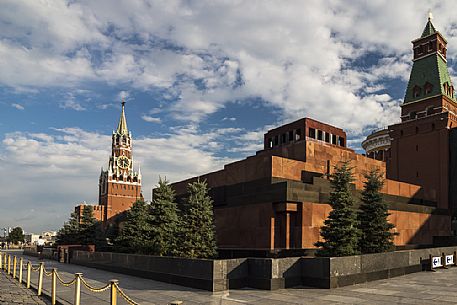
(21, 265)
(40, 278)
(29, 270)
(14, 266)
(78, 289)
(113, 298)
(9, 264)
(54, 286)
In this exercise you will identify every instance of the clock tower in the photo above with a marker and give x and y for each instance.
(119, 185)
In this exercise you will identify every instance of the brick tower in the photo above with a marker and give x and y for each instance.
(421, 148)
(119, 185)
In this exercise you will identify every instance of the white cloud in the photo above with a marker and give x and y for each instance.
(150, 119)
(289, 55)
(71, 104)
(17, 106)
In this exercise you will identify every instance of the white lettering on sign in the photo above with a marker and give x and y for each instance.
(449, 260)
(436, 262)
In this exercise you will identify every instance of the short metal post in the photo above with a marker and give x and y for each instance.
(78, 289)
(21, 265)
(54, 286)
(113, 292)
(14, 266)
(9, 264)
(29, 270)
(40, 279)
(1, 260)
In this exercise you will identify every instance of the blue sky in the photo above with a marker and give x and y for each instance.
(203, 81)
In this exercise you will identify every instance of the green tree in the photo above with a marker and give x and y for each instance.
(198, 232)
(164, 220)
(376, 232)
(88, 226)
(69, 233)
(340, 232)
(135, 233)
(16, 235)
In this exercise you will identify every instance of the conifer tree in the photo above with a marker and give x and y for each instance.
(376, 231)
(164, 220)
(198, 232)
(87, 226)
(340, 232)
(135, 233)
(69, 233)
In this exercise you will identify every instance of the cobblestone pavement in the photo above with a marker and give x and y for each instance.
(438, 288)
(12, 293)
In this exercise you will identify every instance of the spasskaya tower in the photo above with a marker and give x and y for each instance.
(119, 185)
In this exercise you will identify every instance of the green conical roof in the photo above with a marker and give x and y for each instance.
(430, 69)
(429, 29)
(122, 126)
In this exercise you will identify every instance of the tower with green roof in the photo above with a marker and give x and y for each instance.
(421, 145)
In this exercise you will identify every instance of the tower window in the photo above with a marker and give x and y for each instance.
(412, 115)
(430, 110)
(416, 91)
(270, 142)
(291, 135)
(428, 88)
(327, 137)
(319, 135)
(334, 139)
(297, 134)
(341, 142)
(312, 133)
(283, 138)
(276, 140)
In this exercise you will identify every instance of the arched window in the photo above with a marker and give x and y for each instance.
(416, 91)
(428, 88)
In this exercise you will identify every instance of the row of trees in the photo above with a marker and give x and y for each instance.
(349, 232)
(156, 228)
(161, 228)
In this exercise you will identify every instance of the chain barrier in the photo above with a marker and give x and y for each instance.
(93, 289)
(6, 261)
(66, 284)
(47, 273)
(124, 296)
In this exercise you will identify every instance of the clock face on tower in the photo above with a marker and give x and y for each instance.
(123, 162)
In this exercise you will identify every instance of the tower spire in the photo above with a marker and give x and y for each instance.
(122, 126)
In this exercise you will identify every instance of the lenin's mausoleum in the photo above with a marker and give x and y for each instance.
(278, 199)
